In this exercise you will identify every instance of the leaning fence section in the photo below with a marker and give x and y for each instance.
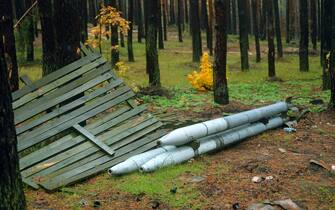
(78, 121)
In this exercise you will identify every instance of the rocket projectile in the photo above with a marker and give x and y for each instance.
(173, 157)
(190, 133)
(134, 163)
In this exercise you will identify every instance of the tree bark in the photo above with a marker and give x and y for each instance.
(186, 11)
(151, 19)
(172, 13)
(314, 29)
(160, 26)
(130, 32)
(326, 42)
(220, 84)
(263, 21)
(243, 25)
(11, 187)
(234, 18)
(30, 35)
(278, 30)
(140, 30)
(210, 26)
(164, 7)
(180, 19)
(271, 46)
(255, 11)
(115, 54)
(6, 31)
(92, 13)
(84, 21)
(288, 21)
(195, 30)
(303, 47)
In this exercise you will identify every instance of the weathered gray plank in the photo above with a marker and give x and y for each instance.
(60, 95)
(57, 83)
(143, 144)
(84, 49)
(25, 79)
(30, 141)
(62, 109)
(55, 75)
(91, 137)
(67, 141)
(85, 149)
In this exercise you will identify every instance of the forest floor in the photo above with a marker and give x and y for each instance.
(217, 181)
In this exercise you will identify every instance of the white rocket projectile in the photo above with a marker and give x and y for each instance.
(190, 133)
(134, 163)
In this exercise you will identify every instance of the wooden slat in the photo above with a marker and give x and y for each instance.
(28, 142)
(143, 145)
(60, 95)
(84, 49)
(55, 75)
(85, 149)
(67, 141)
(57, 83)
(62, 109)
(91, 137)
(25, 79)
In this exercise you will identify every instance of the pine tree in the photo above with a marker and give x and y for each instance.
(303, 47)
(195, 30)
(243, 25)
(255, 18)
(130, 32)
(271, 46)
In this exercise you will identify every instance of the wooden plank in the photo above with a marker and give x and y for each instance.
(28, 142)
(143, 144)
(25, 79)
(62, 109)
(67, 141)
(91, 137)
(30, 183)
(60, 95)
(123, 142)
(85, 149)
(57, 83)
(84, 49)
(55, 75)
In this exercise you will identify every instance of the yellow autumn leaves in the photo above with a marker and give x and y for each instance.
(202, 80)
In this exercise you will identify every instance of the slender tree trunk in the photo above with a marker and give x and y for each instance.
(234, 19)
(203, 14)
(263, 21)
(319, 19)
(326, 44)
(7, 34)
(288, 21)
(160, 26)
(314, 30)
(140, 30)
(11, 187)
(206, 26)
(30, 37)
(92, 13)
(151, 19)
(180, 19)
(164, 7)
(210, 26)
(195, 29)
(271, 45)
(115, 54)
(303, 48)
(243, 25)
(120, 7)
(130, 32)
(172, 13)
(48, 37)
(220, 84)
(84, 21)
(186, 11)
(278, 30)
(255, 11)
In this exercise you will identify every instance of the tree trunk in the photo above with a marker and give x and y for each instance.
(186, 11)
(120, 7)
(11, 187)
(151, 19)
(180, 19)
(195, 30)
(172, 13)
(314, 30)
(326, 45)
(278, 30)
(130, 32)
(263, 21)
(234, 18)
(92, 13)
(6, 30)
(160, 26)
(303, 48)
(255, 18)
(84, 21)
(140, 30)
(115, 54)
(243, 25)
(210, 26)
(203, 14)
(164, 7)
(220, 84)
(30, 35)
(271, 46)
(288, 14)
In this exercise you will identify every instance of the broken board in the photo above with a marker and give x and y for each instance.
(78, 121)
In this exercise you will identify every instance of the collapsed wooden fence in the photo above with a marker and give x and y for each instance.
(79, 121)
